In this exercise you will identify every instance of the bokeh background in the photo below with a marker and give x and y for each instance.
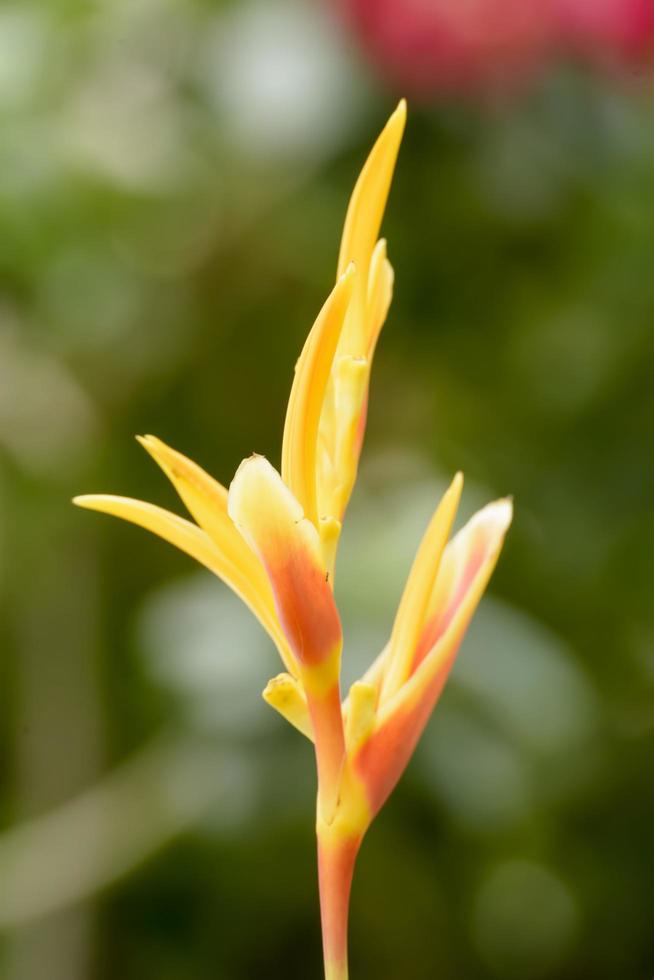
(173, 178)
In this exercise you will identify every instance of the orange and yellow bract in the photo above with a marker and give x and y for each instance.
(273, 537)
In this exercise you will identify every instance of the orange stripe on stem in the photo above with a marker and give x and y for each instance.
(329, 737)
(336, 860)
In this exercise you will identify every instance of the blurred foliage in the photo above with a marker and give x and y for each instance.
(173, 177)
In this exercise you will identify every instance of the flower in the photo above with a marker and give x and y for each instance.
(273, 539)
(610, 31)
(486, 47)
(451, 47)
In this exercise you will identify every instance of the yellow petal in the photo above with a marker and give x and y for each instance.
(342, 442)
(402, 718)
(285, 695)
(342, 425)
(418, 591)
(330, 530)
(206, 500)
(363, 221)
(196, 543)
(307, 396)
(373, 677)
(272, 522)
(467, 566)
(380, 294)
(351, 376)
(342, 421)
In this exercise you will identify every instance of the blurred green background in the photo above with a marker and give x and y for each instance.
(173, 179)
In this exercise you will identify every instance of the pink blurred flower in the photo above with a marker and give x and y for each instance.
(453, 45)
(608, 30)
(488, 46)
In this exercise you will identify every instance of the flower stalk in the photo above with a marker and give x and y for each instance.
(336, 860)
(329, 737)
(273, 538)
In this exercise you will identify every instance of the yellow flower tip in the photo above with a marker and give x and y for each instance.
(285, 695)
(498, 516)
(149, 442)
(267, 513)
(162, 454)
(254, 481)
(154, 446)
(366, 207)
(456, 486)
(400, 112)
(396, 124)
(92, 501)
(454, 492)
(350, 271)
(329, 529)
(414, 604)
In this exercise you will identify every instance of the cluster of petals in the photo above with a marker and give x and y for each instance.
(272, 537)
(436, 47)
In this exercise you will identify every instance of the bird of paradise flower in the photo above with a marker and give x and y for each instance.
(273, 539)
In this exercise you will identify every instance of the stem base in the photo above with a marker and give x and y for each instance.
(336, 859)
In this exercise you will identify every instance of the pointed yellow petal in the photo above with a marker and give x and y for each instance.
(206, 500)
(307, 396)
(364, 217)
(469, 562)
(199, 491)
(351, 375)
(418, 591)
(196, 543)
(338, 470)
(330, 530)
(342, 425)
(172, 528)
(467, 565)
(351, 380)
(373, 677)
(272, 522)
(343, 416)
(402, 718)
(380, 294)
(285, 695)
